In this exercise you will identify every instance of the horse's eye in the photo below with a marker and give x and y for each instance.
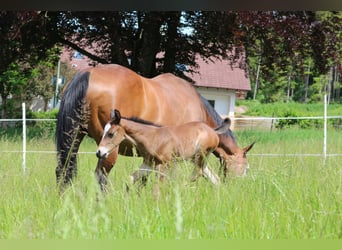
(112, 134)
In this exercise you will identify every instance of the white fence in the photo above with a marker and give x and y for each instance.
(249, 120)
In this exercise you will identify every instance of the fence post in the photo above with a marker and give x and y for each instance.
(24, 136)
(325, 129)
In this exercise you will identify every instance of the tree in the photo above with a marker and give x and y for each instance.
(278, 43)
(284, 41)
(24, 43)
(148, 42)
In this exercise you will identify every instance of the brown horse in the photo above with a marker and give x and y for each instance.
(161, 145)
(166, 100)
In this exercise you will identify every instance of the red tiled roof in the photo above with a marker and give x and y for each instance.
(214, 74)
(220, 74)
(77, 63)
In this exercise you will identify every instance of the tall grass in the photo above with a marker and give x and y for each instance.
(281, 197)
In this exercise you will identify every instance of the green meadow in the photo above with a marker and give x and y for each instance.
(282, 197)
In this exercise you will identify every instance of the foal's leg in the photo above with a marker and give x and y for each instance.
(160, 169)
(198, 169)
(202, 169)
(141, 174)
(209, 174)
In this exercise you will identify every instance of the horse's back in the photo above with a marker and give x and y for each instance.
(194, 136)
(165, 99)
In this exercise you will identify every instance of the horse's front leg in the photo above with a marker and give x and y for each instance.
(224, 159)
(104, 166)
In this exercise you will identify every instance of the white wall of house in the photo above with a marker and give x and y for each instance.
(224, 99)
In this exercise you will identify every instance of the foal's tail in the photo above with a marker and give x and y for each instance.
(224, 127)
(70, 127)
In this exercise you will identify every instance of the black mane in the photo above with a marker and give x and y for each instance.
(216, 117)
(142, 121)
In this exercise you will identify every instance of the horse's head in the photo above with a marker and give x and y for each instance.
(236, 163)
(113, 135)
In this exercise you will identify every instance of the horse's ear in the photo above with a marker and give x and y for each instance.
(115, 116)
(224, 127)
(227, 121)
(246, 149)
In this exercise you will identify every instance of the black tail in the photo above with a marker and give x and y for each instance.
(69, 126)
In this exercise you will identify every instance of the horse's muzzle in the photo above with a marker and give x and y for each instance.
(101, 155)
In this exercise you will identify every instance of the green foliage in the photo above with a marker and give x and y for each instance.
(35, 129)
(11, 79)
(255, 108)
(293, 109)
(317, 89)
(42, 128)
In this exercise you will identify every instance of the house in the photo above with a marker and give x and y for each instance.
(221, 84)
(75, 58)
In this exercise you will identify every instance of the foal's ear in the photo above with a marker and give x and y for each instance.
(115, 116)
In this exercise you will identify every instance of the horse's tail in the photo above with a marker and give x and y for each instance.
(70, 127)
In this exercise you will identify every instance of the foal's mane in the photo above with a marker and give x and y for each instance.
(215, 116)
(141, 121)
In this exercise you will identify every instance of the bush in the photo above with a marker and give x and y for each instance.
(294, 109)
(41, 128)
(286, 123)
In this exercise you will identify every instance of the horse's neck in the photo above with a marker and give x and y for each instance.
(141, 133)
(229, 144)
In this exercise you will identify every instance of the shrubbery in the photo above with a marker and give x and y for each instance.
(41, 128)
(292, 109)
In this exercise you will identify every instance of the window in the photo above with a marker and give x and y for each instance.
(77, 55)
(212, 103)
(181, 67)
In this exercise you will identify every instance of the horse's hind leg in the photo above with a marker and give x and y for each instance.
(66, 169)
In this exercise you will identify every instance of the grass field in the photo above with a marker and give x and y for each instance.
(283, 197)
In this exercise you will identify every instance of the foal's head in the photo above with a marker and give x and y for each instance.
(113, 135)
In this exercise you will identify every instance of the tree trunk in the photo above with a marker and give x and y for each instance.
(257, 79)
(332, 83)
(338, 87)
(170, 47)
(330, 90)
(307, 84)
(150, 44)
(3, 111)
(288, 88)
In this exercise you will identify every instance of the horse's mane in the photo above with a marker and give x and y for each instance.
(215, 116)
(141, 121)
